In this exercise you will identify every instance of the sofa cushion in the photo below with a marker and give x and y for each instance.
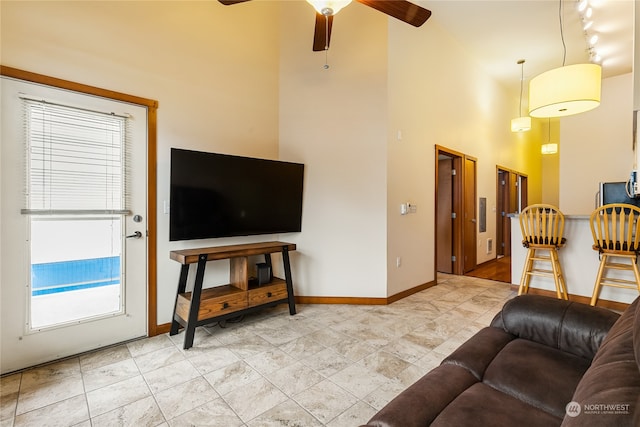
(479, 350)
(613, 379)
(541, 376)
(481, 405)
(568, 326)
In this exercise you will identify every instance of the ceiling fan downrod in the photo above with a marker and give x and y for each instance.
(327, 12)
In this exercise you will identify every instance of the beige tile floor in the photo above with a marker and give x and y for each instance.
(329, 365)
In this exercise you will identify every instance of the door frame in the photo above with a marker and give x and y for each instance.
(470, 215)
(458, 206)
(152, 107)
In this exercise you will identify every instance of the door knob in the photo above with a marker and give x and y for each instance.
(135, 235)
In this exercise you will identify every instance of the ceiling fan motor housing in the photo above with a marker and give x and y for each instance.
(327, 11)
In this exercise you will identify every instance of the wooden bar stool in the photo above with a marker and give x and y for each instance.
(616, 237)
(542, 227)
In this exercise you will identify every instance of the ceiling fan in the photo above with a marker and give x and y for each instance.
(326, 9)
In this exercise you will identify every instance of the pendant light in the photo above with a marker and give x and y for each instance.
(549, 147)
(567, 90)
(521, 123)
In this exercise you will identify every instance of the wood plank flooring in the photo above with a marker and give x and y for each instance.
(498, 269)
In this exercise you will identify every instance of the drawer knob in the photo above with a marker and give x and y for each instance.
(268, 294)
(225, 305)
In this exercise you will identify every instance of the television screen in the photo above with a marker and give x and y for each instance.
(616, 192)
(219, 195)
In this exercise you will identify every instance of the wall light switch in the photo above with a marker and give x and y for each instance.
(403, 209)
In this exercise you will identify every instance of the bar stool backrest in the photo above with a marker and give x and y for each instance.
(616, 229)
(542, 226)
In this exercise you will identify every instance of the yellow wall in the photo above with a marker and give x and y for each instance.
(549, 132)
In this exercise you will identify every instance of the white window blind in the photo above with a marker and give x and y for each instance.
(76, 159)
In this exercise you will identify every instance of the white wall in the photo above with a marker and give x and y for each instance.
(334, 120)
(596, 146)
(237, 80)
(384, 77)
(439, 95)
(213, 69)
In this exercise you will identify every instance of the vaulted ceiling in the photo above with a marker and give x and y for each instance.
(499, 33)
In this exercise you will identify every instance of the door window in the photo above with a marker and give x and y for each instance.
(76, 197)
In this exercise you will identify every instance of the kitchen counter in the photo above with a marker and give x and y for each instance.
(579, 262)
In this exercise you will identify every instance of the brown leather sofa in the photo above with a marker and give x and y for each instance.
(542, 362)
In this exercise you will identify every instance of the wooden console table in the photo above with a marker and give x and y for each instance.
(219, 303)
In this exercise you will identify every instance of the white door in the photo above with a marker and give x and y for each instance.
(72, 280)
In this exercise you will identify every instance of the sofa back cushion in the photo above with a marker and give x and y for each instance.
(572, 327)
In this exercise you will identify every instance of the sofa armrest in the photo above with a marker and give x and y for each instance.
(566, 325)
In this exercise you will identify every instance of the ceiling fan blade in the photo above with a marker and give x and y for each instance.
(230, 2)
(320, 37)
(400, 9)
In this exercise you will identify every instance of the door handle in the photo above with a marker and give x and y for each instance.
(473, 220)
(135, 235)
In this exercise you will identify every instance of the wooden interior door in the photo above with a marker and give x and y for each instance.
(512, 208)
(499, 219)
(469, 216)
(512, 193)
(449, 211)
(503, 244)
(524, 193)
(444, 219)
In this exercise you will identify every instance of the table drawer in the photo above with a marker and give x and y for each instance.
(277, 290)
(213, 302)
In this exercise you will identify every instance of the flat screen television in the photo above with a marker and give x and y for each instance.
(219, 195)
(616, 192)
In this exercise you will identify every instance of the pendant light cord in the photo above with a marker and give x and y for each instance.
(564, 46)
(521, 62)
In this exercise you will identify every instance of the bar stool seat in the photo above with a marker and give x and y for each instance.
(542, 226)
(616, 237)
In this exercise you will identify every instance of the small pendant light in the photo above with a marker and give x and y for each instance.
(549, 147)
(521, 123)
